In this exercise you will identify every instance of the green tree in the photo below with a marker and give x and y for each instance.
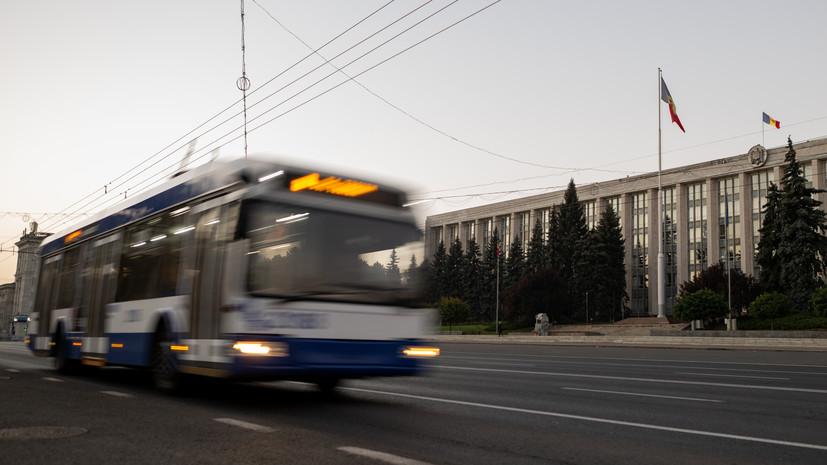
(392, 270)
(701, 305)
(553, 250)
(744, 288)
(452, 310)
(491, 274)
(540, 292)
(819, 301)
(771, 305)
(795, 249)
(435, 274)
(473, 270)
(608, 272)
(536, 256)
(573, 265)
(454, 271)
(514, 264)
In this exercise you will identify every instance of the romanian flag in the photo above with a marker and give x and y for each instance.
(771, 121)
(673, 110)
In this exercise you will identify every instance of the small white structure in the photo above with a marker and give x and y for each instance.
(541, 324)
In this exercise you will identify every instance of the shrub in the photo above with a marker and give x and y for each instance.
(453, 310)
(819, 302)
(771, 305)
(701, 305)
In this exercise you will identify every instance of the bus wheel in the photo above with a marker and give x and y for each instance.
(164, 367)
(327, 385)
(63, 364)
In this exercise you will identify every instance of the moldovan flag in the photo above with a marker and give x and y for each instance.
(667, 97)
(771, 121)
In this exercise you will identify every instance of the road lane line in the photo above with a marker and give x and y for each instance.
(12, 370)
(54, 380)
(802, 445)
(649, 365)
(647, 380)
(381, 456)
(117, 394)
(730, 376)
(245, 425)
(642, 395)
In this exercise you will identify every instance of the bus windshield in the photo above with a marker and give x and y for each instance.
(298, 252)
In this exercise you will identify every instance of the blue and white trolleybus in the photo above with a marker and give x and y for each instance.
(241, 270)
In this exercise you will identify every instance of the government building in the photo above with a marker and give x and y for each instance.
(697, 200)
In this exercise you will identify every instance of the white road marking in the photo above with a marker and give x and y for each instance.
(12, 370)
(245, 425)
(381, 456)
(597, 420)
(54, 380)
(647, 380)
(506, 363)
(642, 395)
(649, 365)
(116, 394)
(729, 376)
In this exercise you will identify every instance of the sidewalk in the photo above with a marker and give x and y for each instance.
(654, 335)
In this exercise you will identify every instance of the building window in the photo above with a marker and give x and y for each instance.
(504, 230)
(590, 213)
(487, 232)
(696, 228)
(525, 230)
(617, 206)
(729, 219)
(670, 246)
(544, 217)
(436, 235)
(640, 255)
(760, 183)
(453, 234)
(470, 231)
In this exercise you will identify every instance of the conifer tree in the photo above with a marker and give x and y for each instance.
(609, 268)
(435, 274)
(454, 271)
(573, 266)
(392, 270)
(800, 253)
(553, 250)
(515, 263)
(492, 273)
(536, 256)
(472, 278)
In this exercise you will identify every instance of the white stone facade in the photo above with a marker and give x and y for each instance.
(697, 200)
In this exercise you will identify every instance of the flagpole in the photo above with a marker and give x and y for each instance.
(661, 264)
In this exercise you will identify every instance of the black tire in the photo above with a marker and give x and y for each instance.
(165, 373)
(327, 385)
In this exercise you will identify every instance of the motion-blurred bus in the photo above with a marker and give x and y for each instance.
(240, 270)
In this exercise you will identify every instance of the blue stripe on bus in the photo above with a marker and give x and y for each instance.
(315, 357)
(130, 349)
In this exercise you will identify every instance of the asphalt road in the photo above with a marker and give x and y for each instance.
(481, 404)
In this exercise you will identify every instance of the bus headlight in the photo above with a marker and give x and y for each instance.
(423, 352)
(268, 349)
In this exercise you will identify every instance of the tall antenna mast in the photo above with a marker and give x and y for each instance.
(243, 83)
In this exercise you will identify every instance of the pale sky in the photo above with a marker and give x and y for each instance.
(511, 102)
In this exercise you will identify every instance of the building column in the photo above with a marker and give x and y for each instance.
(626, 222)
(682, 231)
(747, 241)
(653, 247)
(713, 208)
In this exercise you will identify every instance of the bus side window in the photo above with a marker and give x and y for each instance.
(67, 282)
(46, 294)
